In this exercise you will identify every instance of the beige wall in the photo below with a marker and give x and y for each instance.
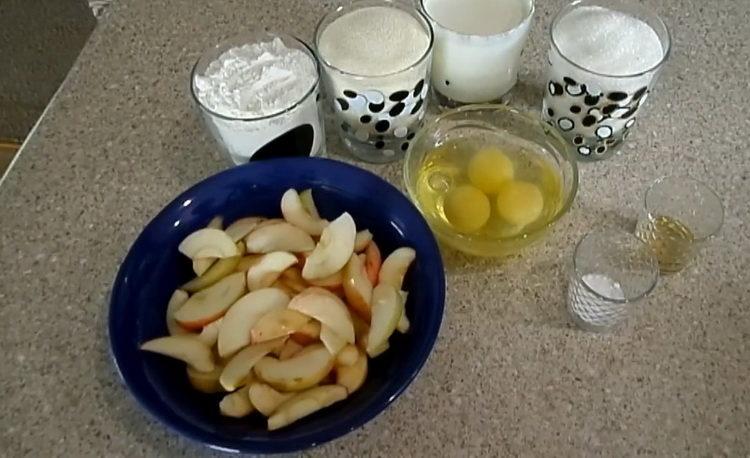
(39, 41)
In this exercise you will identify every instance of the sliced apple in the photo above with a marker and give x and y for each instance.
(269, 222)
(379, 350)
(292, 277)
(248, 261)
(205, 382)
(265, 399)
(332, 281)
(217, 222)
(327, 308)
(201, 264)
(347, 356)
(279, 237)
(395, 266)
(304, 404)
(237, 404)
(352, 376)
(236, 370)
(210, 333)
(209, 304)
(357, 287)
(278, 323)
(372, 262)
(213, 243)
(178, 299)
(307, 334)
(332, 341)
(387, 308)
(268, 269)
(216, 272)
(239, 229)
(334, 249)
(361, 240)
(186, 348)
(403, 322)
(290, 349)
(302, 371)
(294, 211)
(244, 314)
(361, 331)
(309, 203)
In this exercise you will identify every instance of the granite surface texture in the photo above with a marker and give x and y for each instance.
(510, 374)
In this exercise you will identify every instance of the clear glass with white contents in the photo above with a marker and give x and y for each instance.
(478, 46)
(376, 113)
(604, 59)
(610, 270)
(296, 129)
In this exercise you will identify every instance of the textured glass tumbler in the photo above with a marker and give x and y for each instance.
(596, 111)
(679, 216)
(377, 116)
(610, 270)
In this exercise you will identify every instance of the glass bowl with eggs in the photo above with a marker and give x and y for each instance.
(489, 179)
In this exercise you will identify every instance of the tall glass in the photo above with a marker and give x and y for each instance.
(596, 110)
(610, 270)
(473, 62)
(377, 116)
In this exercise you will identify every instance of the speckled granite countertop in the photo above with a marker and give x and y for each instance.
(509, 375)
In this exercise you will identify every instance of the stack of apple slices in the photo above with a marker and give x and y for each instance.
(284, 313)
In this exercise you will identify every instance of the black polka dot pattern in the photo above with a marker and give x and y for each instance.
(365, 119)
(350, 94)
(594, 119)
(382, 125)
(398, 96)
(377, 107)
(397, 109)
(418, 88)
(343, 104)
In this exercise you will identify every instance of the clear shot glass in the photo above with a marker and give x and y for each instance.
(610, 271)
(377, 116)
(596, 110)
(679, 216)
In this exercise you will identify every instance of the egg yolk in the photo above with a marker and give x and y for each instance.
(467, 208)
(519, 202)
(489, 168)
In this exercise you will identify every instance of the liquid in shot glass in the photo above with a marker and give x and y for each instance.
(478, 45)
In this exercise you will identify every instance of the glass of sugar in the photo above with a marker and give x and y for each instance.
(478, 45)
(610, 271)
(604, 59)
(375, 57)
(258, 94)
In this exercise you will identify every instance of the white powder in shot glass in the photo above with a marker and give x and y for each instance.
(607, 41)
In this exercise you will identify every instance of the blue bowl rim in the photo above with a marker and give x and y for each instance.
(268, 447)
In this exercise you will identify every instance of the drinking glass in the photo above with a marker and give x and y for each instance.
(610, 270)
(596, 111)
(679, 216)
(377, 116)
(474, 67)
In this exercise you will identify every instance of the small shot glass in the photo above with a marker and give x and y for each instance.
(376, 115)
(679, 216)
(610, 270)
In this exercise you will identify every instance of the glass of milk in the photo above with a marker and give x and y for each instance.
(478, 45)
(605, 56)
(375, 57)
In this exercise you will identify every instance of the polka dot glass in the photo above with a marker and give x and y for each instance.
(377, 116)
(594, 111)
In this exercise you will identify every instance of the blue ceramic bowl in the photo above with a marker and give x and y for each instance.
(153, 269)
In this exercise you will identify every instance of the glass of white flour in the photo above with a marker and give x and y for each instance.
(605, 56)
(375, 57)
(610, 271)
(258, 94)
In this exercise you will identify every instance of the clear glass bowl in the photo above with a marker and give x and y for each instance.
(520, 131)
